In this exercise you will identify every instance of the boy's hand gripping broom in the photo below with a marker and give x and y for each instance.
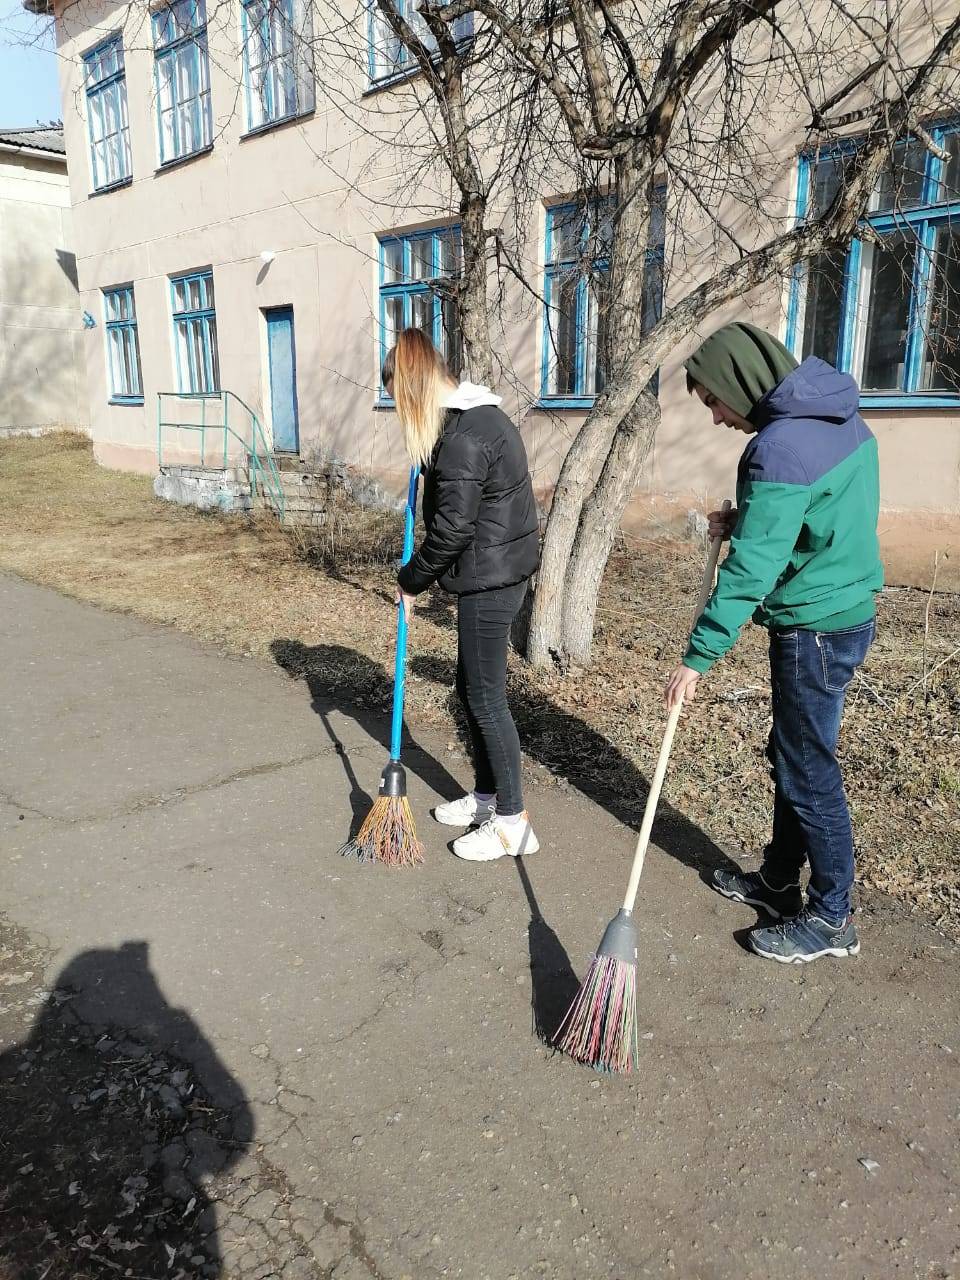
(388, 833)
(600, 1027)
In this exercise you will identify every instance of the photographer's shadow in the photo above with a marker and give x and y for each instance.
(113, 1114)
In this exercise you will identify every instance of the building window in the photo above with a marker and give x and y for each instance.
(413, 269)
(123, 345)
(577, 256)
(183, 79)
(195, 334)
(278, 60)
(106, 89)
(389, 59)
(887, 309)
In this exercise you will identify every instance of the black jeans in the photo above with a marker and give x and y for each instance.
(810, 671)
(484, 619)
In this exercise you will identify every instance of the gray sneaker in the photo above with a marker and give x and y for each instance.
(752, 888)
(804, 938)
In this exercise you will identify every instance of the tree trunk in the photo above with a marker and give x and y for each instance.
(581, 464)
(612, 443)
(473, 306)
(599, 524)
(621, 297)
(579, 533)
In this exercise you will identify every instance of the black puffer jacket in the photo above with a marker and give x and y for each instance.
(478, 508)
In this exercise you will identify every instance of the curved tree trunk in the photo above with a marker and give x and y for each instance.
(599, 524)
(621, 312)
(613, 443)
(577, 473)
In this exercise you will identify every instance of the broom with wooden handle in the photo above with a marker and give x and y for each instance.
(600, 1027)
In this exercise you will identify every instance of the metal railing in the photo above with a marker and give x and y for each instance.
(209, 415)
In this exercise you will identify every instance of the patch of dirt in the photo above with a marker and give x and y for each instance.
(322, 606)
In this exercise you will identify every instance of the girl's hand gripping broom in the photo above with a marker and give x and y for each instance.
(389, 833)
(600, 1027)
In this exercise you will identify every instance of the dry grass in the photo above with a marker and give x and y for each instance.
(322, 606)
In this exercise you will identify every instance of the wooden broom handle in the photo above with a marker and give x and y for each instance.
(656, 784)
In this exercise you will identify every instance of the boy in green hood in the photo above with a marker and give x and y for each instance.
(804, 562)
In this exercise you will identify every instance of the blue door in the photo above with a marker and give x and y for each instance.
(283, 379)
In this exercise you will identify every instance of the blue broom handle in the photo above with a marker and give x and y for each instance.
(400, 666)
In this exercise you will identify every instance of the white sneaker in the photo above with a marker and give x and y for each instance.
(464, 812)
(496, 838)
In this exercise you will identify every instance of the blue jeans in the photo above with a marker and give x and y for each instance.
(810, 672)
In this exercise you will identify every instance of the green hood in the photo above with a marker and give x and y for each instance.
(740, 364)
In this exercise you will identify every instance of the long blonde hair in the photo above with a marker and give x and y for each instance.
(420, 380)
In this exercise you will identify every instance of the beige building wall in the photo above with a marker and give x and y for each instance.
(292, 192)
(42, 358)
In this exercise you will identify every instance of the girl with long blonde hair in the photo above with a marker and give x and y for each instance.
(482, 544)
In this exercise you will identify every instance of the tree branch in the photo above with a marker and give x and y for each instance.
(594, 64)
(408, 37)
(674, 83)
(819, 117)
(623, 44)
(834, 226)
(528, 53)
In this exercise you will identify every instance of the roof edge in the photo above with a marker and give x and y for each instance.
(11, 148)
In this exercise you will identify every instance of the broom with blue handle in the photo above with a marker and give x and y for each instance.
(388, 833)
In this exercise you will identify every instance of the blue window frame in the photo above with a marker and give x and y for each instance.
(123, 345)
(578, 236)
(388, 58)
(412, 269)
(105, 80)
(182, 70)
(887, 308)
(195, 333)
(278, 61)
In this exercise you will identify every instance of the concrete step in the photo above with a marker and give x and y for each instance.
(304, 519)
(292, 502)
(294, 512)
(294, 499)
(222, 475)
(288, 461)
(307, 489)
(297, 482)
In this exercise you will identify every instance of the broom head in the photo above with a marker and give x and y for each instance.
(388, 833)
(600, 1028)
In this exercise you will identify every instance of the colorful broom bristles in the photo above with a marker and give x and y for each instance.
(600, 1028)
(388, 835)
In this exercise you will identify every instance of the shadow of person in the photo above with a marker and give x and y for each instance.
(342, 680)
(553, 981)
(572, 749)
(112, 1114)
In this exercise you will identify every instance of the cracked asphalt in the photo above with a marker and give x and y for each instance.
(347, 1080)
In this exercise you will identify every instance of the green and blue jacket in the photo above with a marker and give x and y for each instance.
(804, 551)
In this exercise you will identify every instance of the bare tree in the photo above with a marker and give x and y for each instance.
(707, 100)
(699, 94)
